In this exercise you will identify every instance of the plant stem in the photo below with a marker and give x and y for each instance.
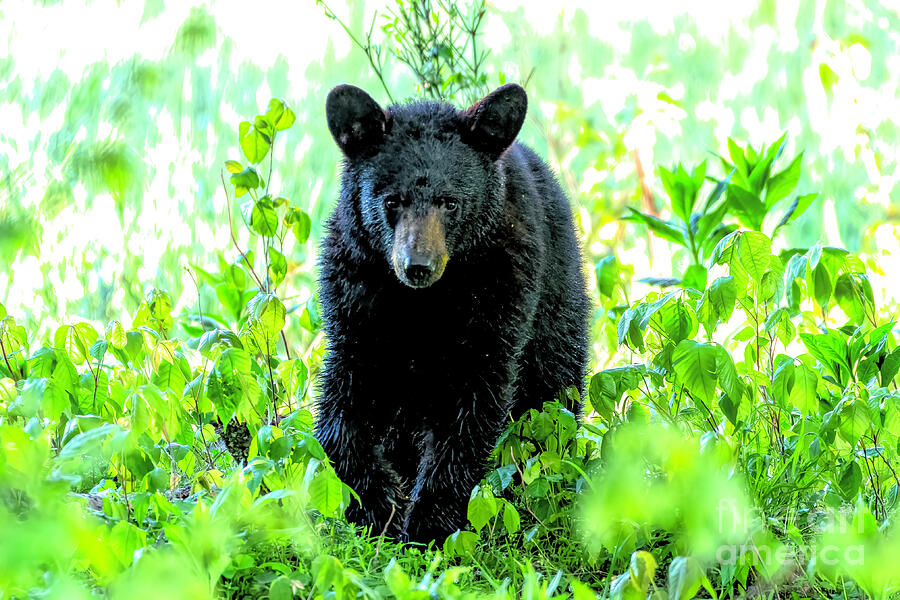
(196, 395)
(366, 48)
(6, 360)
(872, 483)
(271, 382)
(233, 240)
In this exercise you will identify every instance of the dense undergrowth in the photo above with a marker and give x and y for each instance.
(748, 446)
(745, 445)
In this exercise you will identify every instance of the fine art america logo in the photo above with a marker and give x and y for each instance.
(836, 523)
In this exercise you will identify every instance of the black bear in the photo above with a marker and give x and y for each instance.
(453, 299)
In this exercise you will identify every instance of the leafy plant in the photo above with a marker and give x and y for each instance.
(131, 419)
(748, 193)
(437, 41)
(804, 410)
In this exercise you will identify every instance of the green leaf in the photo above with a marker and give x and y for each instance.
(264, 126)
(830, 349)
(628, 329)
(254, 143)
(604, 395)
(233, 166)
(70, 340)
(98, 350)
(746, 206)
(230, 384)
(796, 269)
(662, 282)
(694, 277)
(461, 543)
(803, 395)
(326, 493)
(890, 366)
(779, 323)
(642, 569)
(244, 181)
(281, 589)
(280, 115)
(281, 448)
(539, 488)
(737, 157)
(277, 267)
(608, 275)
(263, 218)
(397, 579)
(685, 578)
(728, 377)
(855, 421)
(708, 221)
(157, 479)
(696, 368)
(329, 572)
(679, 190)
(8, 391)
(663, 229)
(722, 296)
(783, 382)
(754, 253)
(53, 401)
(511, 520)
(501, 477)
(294, 376)
(115, 334)
(797, 208)
(309, 318)
(675, 320)
(269, 312)
(850, 479)
(849, 296)
(724, 250)
(301, 227)
(814, 254)
(783, 183)
(482, 508)
(771, 286)
(760, 174)
(821, 284)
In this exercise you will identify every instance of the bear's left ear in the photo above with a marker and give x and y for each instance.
(357, 123)
(492, 124)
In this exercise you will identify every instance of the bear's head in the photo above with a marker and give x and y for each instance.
(424, 176)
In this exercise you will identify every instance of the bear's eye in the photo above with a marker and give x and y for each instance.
(392, 203)
(451, 204)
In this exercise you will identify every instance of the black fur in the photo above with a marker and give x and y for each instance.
(418, 382)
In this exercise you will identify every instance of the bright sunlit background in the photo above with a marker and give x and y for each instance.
(117, 117)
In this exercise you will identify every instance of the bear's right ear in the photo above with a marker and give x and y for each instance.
(492, 124)
(356, 121)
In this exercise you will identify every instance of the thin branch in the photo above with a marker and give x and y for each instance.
(233, 239)
(367, 48)
(6, 359)
(196, 394)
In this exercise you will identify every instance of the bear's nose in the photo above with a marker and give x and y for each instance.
(418, 272)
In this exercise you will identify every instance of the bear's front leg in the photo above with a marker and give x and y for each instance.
(354, 440)
(454, 454)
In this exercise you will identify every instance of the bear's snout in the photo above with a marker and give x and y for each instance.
(419, 254)
(418, 271)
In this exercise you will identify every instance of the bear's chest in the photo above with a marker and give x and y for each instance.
(426, 348)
